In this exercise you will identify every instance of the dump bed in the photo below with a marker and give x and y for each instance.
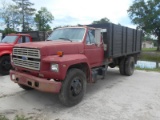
(120, 40)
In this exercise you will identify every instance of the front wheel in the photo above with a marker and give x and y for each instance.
(73, 87)
(5, 65)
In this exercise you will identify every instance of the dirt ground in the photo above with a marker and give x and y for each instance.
(116, 98)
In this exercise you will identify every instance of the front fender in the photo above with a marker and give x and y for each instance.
(5, 53)
(66, 61)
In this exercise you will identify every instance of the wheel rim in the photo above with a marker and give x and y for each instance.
(6, 65)
(76, 87)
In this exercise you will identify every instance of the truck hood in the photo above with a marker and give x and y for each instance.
(6, 44)
(6, 48)
(52, 47)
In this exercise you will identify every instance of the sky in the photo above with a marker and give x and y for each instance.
(73, 12)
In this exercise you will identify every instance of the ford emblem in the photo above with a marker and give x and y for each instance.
(24, 58)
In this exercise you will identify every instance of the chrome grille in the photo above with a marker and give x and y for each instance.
(27, 52)
(35, 65)
(26, 58)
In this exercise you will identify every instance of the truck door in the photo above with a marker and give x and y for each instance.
(94, 47)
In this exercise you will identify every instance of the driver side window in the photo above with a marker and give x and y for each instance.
(24, 39)
(90, 39)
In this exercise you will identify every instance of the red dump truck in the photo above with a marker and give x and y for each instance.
(7, 43)
(74, 56)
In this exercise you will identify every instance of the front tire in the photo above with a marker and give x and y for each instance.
(73, 87)
(5, 65)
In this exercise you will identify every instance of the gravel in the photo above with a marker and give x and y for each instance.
(115, 98)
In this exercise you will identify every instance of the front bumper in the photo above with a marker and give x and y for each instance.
(40, 84)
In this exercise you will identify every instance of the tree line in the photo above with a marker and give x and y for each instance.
(21, 14)
(143, 13)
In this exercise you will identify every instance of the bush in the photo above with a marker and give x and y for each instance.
(2, 117)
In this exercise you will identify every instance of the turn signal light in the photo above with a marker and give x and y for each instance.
(60, 53)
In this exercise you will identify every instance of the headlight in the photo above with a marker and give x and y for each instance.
(54, 67)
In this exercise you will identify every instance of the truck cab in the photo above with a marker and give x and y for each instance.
(6, 46)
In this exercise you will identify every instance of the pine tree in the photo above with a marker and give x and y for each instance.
(26, 13)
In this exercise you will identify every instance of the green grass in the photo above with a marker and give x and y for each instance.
(17, 117)
(147, 69)
(150, 57)
(149, 49)
(150, 54)
(20, 117)
(2, 117)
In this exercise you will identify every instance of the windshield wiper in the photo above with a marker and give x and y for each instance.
(65, 39)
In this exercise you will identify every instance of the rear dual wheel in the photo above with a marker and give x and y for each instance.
(126, 66)
(129, 66)
(122, 66)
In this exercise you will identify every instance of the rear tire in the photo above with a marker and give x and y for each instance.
(129, 66)
(73, 87)
(5, 65)
(122, 66)
(25, 87)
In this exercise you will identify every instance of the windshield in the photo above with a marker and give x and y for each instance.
(71, 34)
(9, 39)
